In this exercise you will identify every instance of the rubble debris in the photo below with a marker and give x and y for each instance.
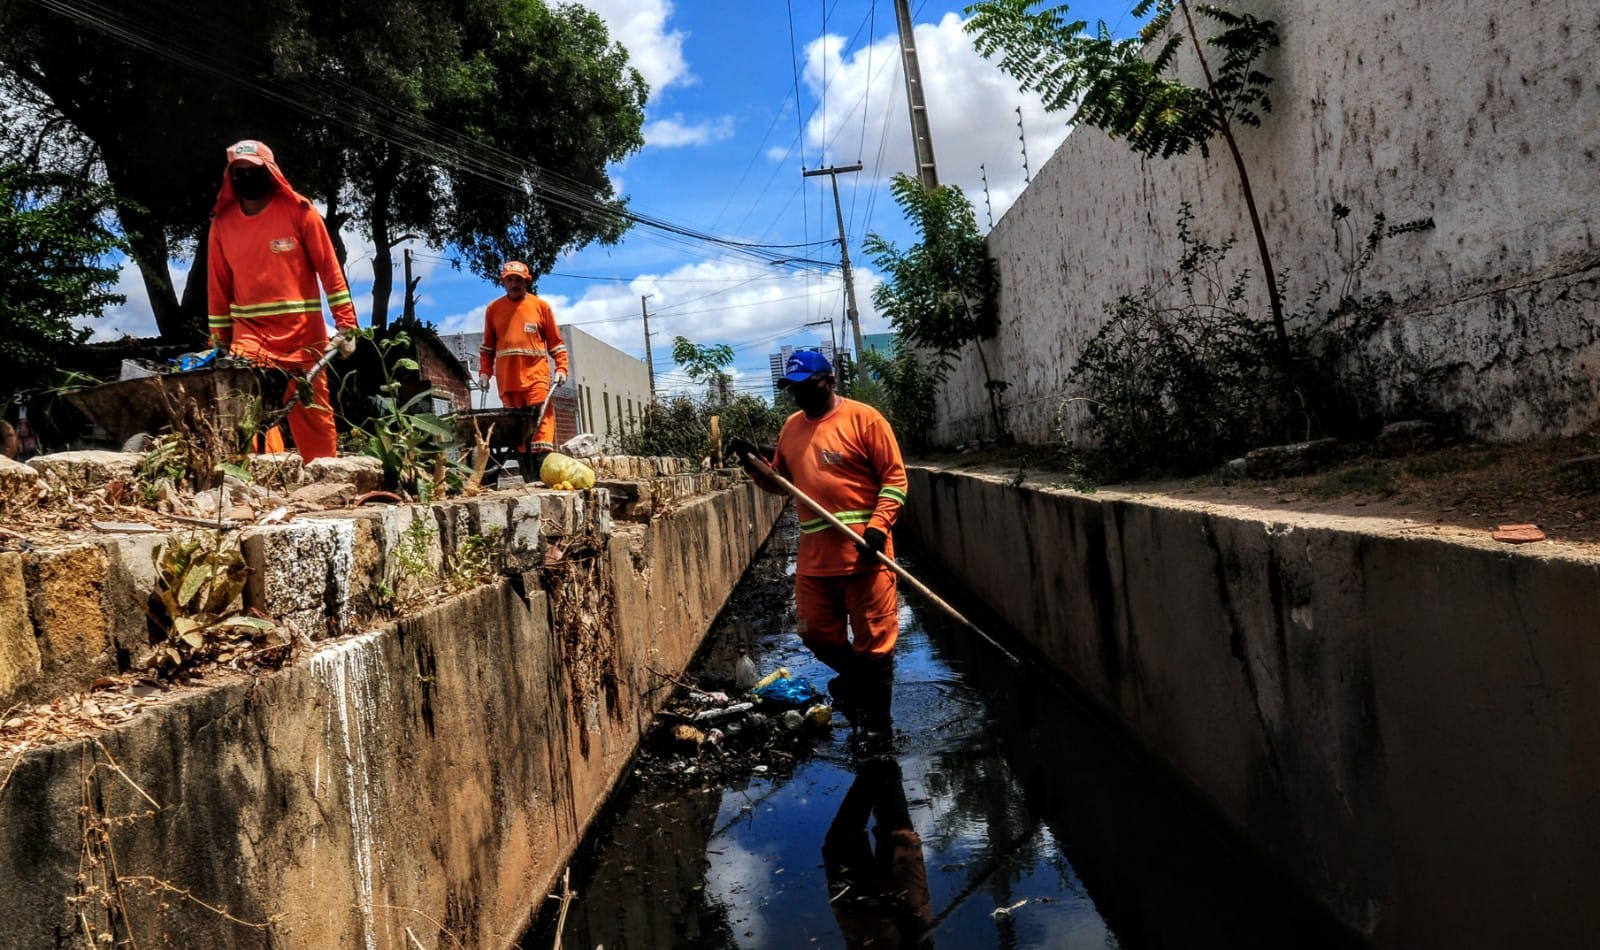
(1518, 533)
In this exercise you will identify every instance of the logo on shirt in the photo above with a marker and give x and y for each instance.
(282, 245)
(832, 458)
(527, 328)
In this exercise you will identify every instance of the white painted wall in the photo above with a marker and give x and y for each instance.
(613, 387)
(1485, 116)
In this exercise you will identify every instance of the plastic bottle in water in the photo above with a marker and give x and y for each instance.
(744, 672)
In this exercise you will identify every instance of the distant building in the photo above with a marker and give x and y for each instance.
(612, 388)
(881, 342)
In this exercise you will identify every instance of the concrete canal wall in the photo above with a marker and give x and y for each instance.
(1409, 726)
(418, 782)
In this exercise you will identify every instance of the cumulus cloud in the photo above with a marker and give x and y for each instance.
(641, 27)
(676, 133)
(971, 113)
(742, 304)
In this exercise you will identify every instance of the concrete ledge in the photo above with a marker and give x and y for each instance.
(434, 774)
(1408, 726)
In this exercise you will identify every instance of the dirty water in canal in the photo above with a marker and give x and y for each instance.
(1006, 815)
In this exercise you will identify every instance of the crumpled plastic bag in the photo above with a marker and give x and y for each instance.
(582, 446)
(189, 362)
(792, 691)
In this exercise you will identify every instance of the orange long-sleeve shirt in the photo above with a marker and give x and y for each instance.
(849, 463)
(263, 273)
(517, 339)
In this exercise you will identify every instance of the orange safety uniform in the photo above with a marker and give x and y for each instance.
(264, 300)
(849, 463)
(519, 340)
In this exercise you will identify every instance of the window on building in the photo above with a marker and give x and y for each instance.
(630, 414)
(607, 406)
(588, 409)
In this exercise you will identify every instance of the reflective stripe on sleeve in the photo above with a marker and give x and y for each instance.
(889, 491)
(342, 297)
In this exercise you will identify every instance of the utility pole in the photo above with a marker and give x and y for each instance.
(833, 173)
(409, 311)
(921, 137)
(649, 361)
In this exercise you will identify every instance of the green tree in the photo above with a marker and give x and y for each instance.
(1127, 88)
(484, 124)
(940, 294)
(705, 364)
(901, 387)
(54, 243)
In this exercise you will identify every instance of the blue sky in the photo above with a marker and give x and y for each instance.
(725, 147)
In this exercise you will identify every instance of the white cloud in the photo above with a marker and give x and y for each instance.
(676, 133)
(641, 27)
(745, 305)
(971, 112)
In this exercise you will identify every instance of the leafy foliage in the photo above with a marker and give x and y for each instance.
(940, 294)
(1177, 388)
(681, 426)
(1126, 87)
(412, 442)
(53, 246)
(705, 364)
(487, 124)
(903, 388)
(199, 612)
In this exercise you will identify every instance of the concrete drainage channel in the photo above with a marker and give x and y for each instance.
(1007, 816)
(415, 781)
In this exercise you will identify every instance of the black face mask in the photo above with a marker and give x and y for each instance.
(812, 397)
(252, 183)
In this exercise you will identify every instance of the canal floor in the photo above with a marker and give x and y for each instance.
(1007, 816)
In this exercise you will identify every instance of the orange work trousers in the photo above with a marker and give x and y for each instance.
(532, 398)
(867, 601)
(315, 435)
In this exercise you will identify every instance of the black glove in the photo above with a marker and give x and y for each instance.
(739, 448)
(872, 542)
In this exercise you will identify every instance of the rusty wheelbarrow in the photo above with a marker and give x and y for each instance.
(222, 401)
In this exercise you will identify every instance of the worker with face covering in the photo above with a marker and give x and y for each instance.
(520, 339)
(843, 454)
(268, 249)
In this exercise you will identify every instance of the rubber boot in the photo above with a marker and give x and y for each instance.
(873, 692)
(842, 660)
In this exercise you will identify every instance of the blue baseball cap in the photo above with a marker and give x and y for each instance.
(804, 365)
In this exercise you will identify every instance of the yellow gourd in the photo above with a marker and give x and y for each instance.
(559, 470)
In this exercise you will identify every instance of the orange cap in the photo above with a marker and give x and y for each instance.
(517, 269)
(249, 152)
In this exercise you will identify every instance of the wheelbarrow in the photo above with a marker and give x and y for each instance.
(513, 430)
(218, 400)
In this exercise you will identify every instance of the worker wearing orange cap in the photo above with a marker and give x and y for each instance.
(268, 249)
(520, 338)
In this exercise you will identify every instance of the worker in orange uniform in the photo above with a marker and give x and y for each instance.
(268, 249)
(520, 338)
(843, 454)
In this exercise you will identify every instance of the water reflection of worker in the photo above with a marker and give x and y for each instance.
(268, 248)
(520, 339)
(879, 896)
